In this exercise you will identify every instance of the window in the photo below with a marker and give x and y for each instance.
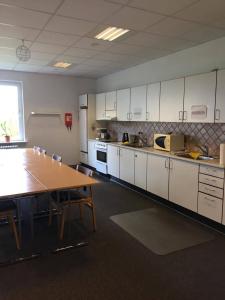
(11, 111)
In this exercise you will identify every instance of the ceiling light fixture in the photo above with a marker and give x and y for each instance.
(111, 33)
(62, 64)
(23, 52)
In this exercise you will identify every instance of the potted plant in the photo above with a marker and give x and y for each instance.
(5, 131)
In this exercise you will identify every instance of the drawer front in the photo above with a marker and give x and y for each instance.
(211, 190)
(214, 181)
(217, 172)
(210, 207)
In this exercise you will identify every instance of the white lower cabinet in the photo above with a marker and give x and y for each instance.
(140, 169)
(91, 154)
(210, 207)
(113, 160)
(183, 183)
(158, 175)
(127, 165)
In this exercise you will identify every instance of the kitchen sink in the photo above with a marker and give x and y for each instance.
(201, 157)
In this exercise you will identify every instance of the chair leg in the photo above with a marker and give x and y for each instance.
(14, 231)
(93, 216)
(61, 234)
(81, 211)
(50, 215)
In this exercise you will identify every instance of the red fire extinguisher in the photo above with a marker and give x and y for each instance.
(68, 120)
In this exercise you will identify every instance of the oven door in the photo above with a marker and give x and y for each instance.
(101, 156)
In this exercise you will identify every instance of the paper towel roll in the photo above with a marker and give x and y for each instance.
(222, 154)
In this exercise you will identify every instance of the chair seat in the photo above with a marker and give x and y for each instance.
(64, 197)
(7, 205)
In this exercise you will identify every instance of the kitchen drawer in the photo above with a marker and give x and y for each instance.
(217, 172)
(211, 190)
(214, 181)
(210, 207)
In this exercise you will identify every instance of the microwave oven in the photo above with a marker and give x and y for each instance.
(169, 142)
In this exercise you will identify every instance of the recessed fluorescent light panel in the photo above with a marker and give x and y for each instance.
(62, 64)
(111, 33)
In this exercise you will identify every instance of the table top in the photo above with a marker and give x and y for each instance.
(25, 171)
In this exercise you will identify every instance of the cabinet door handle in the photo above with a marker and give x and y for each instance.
(170, 165)
(185, 115)
(217, 115)
(180, 115)
(209, 190)
(211, 200)
(135, 155)
(147, 116)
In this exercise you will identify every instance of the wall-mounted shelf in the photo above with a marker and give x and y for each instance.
(33, 113)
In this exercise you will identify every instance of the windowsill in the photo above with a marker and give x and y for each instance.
(12, 143)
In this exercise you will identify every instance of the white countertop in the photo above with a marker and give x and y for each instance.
(212, 163)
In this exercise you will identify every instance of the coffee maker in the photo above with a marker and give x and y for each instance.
(102, 134)
(125, 137)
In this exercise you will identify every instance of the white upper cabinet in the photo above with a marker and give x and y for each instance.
(138, 103)
(171, 100)
(220, 97)
(140, 168)
(110, 101)
(100, 106)
(153, 95)
(199, 100)
(183, 184)
(123, 105)
(83, 100)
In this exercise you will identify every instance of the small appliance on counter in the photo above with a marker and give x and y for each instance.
(125, 137)
(169, 142)
(102, 134)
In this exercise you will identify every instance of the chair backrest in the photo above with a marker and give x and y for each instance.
(37, 148)
(43, 151)
(57, 157)
(84, 170)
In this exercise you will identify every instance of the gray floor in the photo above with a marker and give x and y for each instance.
(115, 266)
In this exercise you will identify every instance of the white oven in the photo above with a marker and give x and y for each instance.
(101, 157)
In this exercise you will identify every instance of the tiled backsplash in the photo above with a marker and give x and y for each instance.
(211, 135)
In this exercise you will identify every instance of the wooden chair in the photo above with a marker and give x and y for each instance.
(7, 210)
(43, 151)
(70, 198)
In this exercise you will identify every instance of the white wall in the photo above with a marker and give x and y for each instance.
(52, 93)
(199, 59)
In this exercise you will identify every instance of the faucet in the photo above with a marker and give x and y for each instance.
(204, 149)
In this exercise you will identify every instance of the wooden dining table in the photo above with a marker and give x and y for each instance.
(25, 172)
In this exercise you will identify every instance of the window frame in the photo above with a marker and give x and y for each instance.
(19, 85)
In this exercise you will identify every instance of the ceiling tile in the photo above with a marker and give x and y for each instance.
(57, 38)
(10, 42)
(91, 10)
(51, 70)
(18, 32)
(47, 48)
(27, 68)
(69, 26)
(204, 11)
(204, 33)
(172, 27)
(220, 23)
(42, 56)
(118, 1)
(6, 66)
(142, 39)
(36, 62)
(110, 56)
(8, 58)
(126, 16)
(42, 5)
(22, 17)
(96, 62)
(93, 44)
(86, 53)
(124, 49)
(161, 6)
(70, 59)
